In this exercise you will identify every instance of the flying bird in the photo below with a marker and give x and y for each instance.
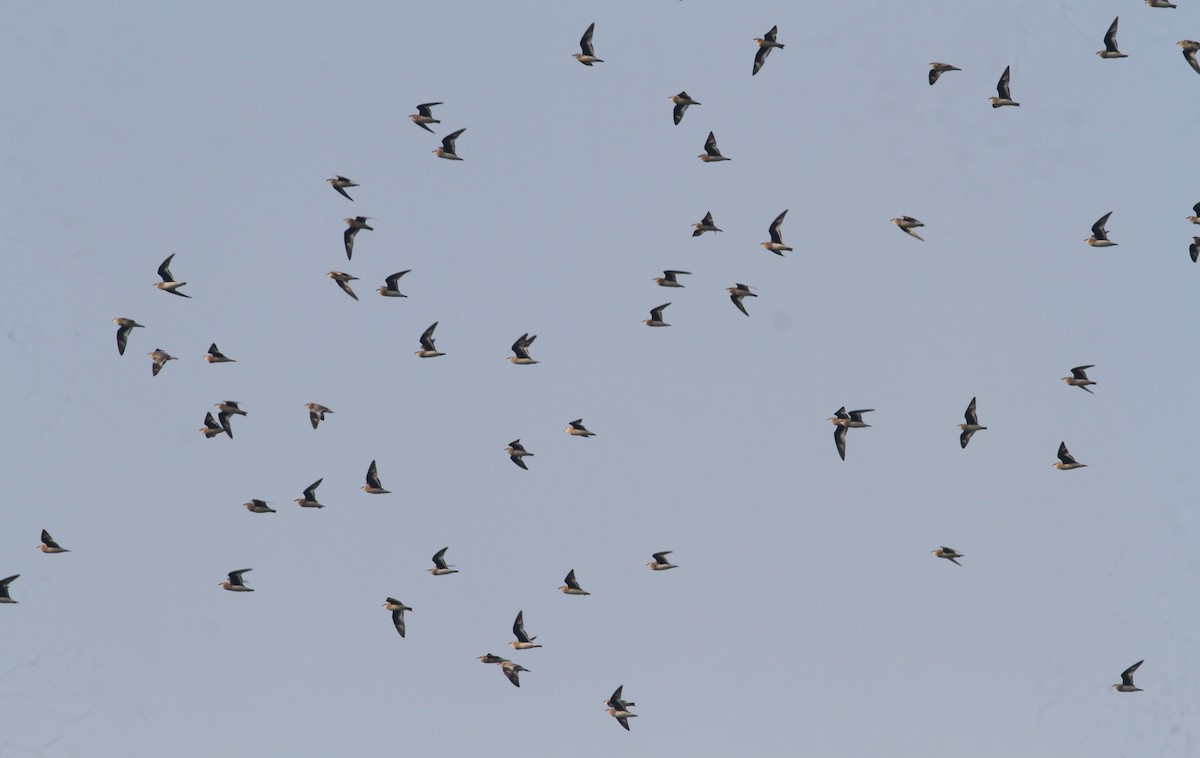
(343, 280)
(1126, 684)
(373, 485)
(512, 670)
(211, 427)
(316, 413)
(440, 567)
(622, 716)
(225, 410)
(520, 348)
(682, 101)
(4, 596)
(424, 116)
(1066, 461)
(428, 350)
(523, 641)
(765, 43)
(572, 587)
(259, 506)
(577, 429)
(340, 183)
(447, 149)
(616, 702)
(397, 608)
(739, 291)
(776, 244)
(216, 356)
(844, 420)
(168, 283)
(1079, 378)
(1194, 249)
(235, 583)
(310, 496)
(711, 154)
(159, 358)
(49, 545)
(1110, 42)
(587, 55)
(937, 69)
(1099, 236)
(971, 426)
(656, 316)
(1192, 219)
(706, 225)
(660, 562)
(1005, 97)
(668, 279)
(391, 284)
(516, 452)
(1159, 4)
(948, 553)
(353, 227)
(907, 224)
(1190, 48)
(126, 325)
(490, 658)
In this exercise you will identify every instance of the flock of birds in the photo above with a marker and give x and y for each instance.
(843, 419)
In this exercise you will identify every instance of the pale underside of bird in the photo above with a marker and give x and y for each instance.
(235, 583)
(374, 486)
(353, 227)
(310, 496)
(397, 608)
(587, 54)
(392, 284)
(1004, 96)
(424, 116)
(428, 348)
(682, 101)
(126, 325)
(158, 359)
(971, 426)
(1066, 461)
(211, 427)
(440, 567)
(49, 545)
(776, 245)
(844, 420)
(259, 506)
(216, 356)
(168, 283)
(1099, 236)
(765, 44)
(1160, 3)
(737, 293)
(523, 641)
(516, 452)
(1126, 684)
(1110, 42)
(316, 413)
(706, 225)
(670, 278)
(1079, 378)
(656, 316)
(5, 597)
(572, 586)
(622, 716)
(949, 554)
(660, 562)
(447, 149)
(577, 429)
(520, 348)
(1190, 48)
(937, 69)
(340, 183)
(343, 280)
(907, 224)
(711, 152)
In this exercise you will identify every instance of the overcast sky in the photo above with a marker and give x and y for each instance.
(807, 615)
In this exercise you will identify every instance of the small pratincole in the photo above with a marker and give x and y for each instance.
(424, 116)
(907, 224)
(316, 413)
(1005, 97)
(310, 496)
(682, 101)
(670, 278)
(440, 567)
(660, 562)
(572, 587)
(392, 283)
(523, 641)
(948, 553)
(168, 283)
(1160, 4)
(397, 608)
(1190, 48)
(656, 316)
(447, 149)
(343, 280)
(126, 325)
(516, 452)
(577, 429)
(4, 596)
(1110, 43)
(216, 356)
(49, 545)
(776, 244)
(937, 69)
(225, 410)
(706, 225)
(971, 426)
(1126, 684)
(844, 420)
(520, 348)
(259, 506)
(235, 583)
(711, 153)
(1079, 378)
(739, 291)
(374, 486)
(211, 427)
(512, 670)
(340, 183)
(1190, 219)
(353, 227)
(1066, 461)
(428, 349)
(586, 54)
(1099, 236)
(765, 43)
(158, 358)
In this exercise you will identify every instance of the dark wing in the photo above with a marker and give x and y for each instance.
(122, 338)
(519, 627)
(1194, 249)
(662, 557)
(1002, 85)
(839, 439)
(710, 144)
(1080, 372)
(1098, 227)
(933, 75)
(398, 620)
(223, 417)
(164, 270)
(970, 415)
(427, 337)
(393, 280)
(448, 140)
(570, 580)
(679, 109)
(1063, 455)
(341, 191)
(311, 492)
(373, 476)
(438, 559)
(585, 42)
(47, 541)
(737, 300)
(776, 236)
(965, 437)
(1127, 674)
(518, 461)
(512, 675)
(1110, 38)
(424, 108)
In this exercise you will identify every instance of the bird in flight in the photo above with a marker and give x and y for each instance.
(711, 154)
(1005, 97)
(168, 283)
(1110, 42)
(424, 116)
(1126, 684)
(682, 101)
(340, 183)
(586, 54)
(937, 69)
(765, 44)
(447, 149)
(971, 426)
